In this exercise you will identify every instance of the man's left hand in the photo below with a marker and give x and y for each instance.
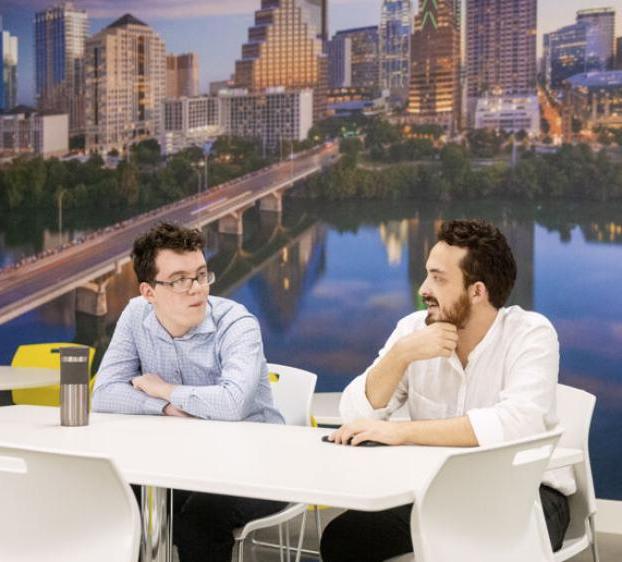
(368, 430)
(153, 385)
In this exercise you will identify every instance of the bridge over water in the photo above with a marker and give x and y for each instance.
(87, 265)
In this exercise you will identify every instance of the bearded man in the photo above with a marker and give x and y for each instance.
(471, 372)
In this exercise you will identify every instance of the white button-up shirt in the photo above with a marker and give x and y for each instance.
(507, 388)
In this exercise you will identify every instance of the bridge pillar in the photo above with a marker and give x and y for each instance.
(231, 224)
(91, 297)
(273, 202)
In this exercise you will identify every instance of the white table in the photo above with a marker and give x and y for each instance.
(286, 463)
(325, 409)
(14, 378)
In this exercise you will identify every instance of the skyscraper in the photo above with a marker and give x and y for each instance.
(565, 53)
(8, 70)
(125, 84)
(182, 75)
(60, 35)
(286, 48)
(600, 48)
(501, 48)
(339, 51)
(434, 95)
(396, 22)
(360, 60)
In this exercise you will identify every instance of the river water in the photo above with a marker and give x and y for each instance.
(329, 281)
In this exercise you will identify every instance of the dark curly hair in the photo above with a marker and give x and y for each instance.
(164, 236)
(489, 258)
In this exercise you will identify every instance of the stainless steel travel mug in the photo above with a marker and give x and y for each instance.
(74, 386)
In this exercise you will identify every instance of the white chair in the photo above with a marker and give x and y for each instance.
(57, 506)
(481, 506)
(574, 410)
(292, 390)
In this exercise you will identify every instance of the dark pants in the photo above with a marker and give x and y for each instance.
(375, 536)
(203, 524)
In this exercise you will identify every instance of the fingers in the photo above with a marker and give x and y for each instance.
(344, 434)
(360, 437)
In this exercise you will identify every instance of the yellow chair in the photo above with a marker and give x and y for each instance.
(41, 355)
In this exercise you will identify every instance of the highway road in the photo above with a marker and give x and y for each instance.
(40, 281)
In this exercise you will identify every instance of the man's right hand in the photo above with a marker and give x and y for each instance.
(436, 340)
(170, 410)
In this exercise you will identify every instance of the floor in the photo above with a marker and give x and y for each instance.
(609, 546)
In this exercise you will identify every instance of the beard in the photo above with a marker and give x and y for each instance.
(458, 314)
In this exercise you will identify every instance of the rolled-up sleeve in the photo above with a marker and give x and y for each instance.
(354, 403)
(113, 391)
(529, 391)
(241, 358)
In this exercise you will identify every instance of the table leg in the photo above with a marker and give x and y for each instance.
(157, 538)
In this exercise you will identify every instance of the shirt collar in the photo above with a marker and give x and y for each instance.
(453, 359)
(152, 324)
(488, 337)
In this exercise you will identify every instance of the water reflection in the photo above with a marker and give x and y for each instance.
(329, 282)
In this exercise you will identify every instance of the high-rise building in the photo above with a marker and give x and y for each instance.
(565, 53)
(125, 84)
(600, 53)
(396, 22)
(182, 75)
(272, 116)
(60, 35)
(339, 50)
(189, 121)
(8, 69)
(619, 53)
(500, 48)
(434, 95)
(360, 48)
(286, 47)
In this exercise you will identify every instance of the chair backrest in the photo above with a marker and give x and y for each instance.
(481, 506)
(58, 506)
(575, 408)
(43, 356)
(292, 389)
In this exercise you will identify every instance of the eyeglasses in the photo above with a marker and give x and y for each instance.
(183, 284)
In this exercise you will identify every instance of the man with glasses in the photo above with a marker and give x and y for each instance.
(175, 352)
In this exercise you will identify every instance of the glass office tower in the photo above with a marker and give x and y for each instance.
(434, 95)
(60, 36)
(360, 60)
(600, 45)
(396, 23)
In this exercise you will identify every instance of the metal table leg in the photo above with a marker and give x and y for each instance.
(157, 524)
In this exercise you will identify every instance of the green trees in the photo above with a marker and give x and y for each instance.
(574, 172)
(144, 181)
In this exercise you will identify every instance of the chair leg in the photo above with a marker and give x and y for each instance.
(241, 550)
(287, 541)
(281, 559)
(301, 537)
(592, 523)
(318, 525)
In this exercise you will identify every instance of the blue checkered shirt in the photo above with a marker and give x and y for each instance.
(218, 367)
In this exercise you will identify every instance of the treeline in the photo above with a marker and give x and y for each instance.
(574, 172)
(144, 180)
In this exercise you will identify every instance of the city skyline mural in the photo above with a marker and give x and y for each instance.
(319, 145)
